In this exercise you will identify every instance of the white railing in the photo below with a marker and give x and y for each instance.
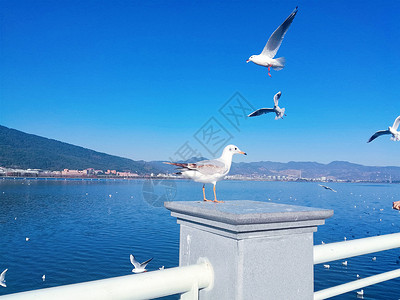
(180, 280)
(340, 250)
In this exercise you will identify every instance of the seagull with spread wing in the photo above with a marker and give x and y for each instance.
(391, 130)
(266, 57)
(209, 171)
(280, 112)
(137, 266)
(327, 188)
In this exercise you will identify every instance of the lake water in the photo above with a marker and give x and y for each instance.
(86, 230)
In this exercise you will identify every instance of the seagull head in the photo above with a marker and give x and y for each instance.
(250, 58)
(232, 149)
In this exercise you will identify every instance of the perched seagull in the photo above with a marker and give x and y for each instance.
(139, 267)
(162, 268)
(2, 278)
(209, 171)
(360, 293)
(374, 258)
(280, 112)
(327, 188)
(327, 266)
(344, 263)
(266, 57)
(44, 277)
(391, 130)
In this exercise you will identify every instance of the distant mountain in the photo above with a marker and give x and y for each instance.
(23, 150)
(336, 170)
(28, 151)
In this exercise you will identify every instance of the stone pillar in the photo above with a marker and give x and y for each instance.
(258, 250)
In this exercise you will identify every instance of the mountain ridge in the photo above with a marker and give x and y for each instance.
(28, 151)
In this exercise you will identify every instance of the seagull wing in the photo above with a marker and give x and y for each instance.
(276, 97)
(275, 40)
(134, 262)
(210, 167)
(261, 111)
(396, 123)
(378, 133)
(144, 264)
(2, 278)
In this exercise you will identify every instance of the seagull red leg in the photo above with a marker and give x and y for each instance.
(215, 197)
(204, 194)
(269, 70)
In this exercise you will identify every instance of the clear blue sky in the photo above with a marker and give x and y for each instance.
(139, 78)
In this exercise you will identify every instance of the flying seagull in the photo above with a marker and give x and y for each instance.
(391, 130)
(266, 57)
(2, 278)
(280, 112)
(327, 188)
(139, 267)
(209, 171)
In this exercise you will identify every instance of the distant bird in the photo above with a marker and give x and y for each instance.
(344, 263)
(374, 258)
(3, 278)
(139, 267)
(209, 171)
(360, 293)
(327, 188)
(345, 238)
(27, 239)
(44, 277)
(280, 112)
(358, 276)
(162, 268)
(391, 130)
(327, 266)
(266, 57)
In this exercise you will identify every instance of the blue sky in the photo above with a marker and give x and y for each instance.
(138, 79)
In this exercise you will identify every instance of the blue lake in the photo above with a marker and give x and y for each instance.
(86, 230)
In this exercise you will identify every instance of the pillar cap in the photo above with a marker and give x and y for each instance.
(245, 212)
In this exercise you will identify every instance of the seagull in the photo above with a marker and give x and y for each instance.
(374, 258)
(209, 171)
(266, 57)
(162, 268)
(139, 267)
(2, 278)
(327, 266)
(327, 188)
(344, 263)
(44, 277)
(27, 239)
(391, 130)
(280, 112)
(360, 293)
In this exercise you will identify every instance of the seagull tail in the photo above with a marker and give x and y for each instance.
(279, 63)
(182, 165)
(281, 114)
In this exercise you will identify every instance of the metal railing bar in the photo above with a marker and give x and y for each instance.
(133, 287)
(357, 284)
(340, 250)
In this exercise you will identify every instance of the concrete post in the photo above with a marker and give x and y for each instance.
(258, 250)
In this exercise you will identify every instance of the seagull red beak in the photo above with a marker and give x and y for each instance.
(247, 60)
(241, 152)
